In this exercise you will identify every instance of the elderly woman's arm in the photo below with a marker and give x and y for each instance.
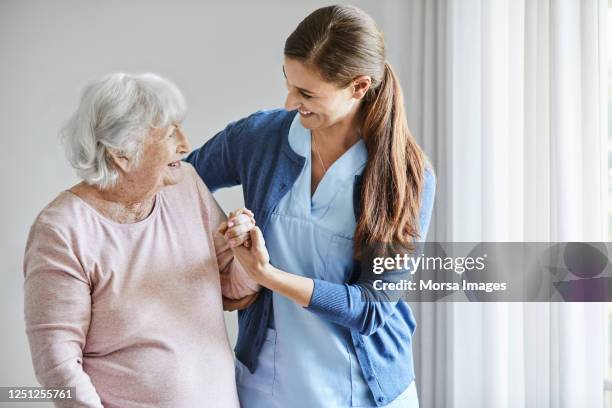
(57, 314)
(238, 288)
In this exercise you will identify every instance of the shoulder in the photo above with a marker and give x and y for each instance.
(190, 192)
(263, 123)
(59, 222)
(62, 239)
(192, 183)
(60, 213)
(271, 117)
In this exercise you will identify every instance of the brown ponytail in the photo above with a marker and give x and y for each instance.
(342, 43)
(394, 176)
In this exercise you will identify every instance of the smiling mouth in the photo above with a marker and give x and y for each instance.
(175, 165)
(305, 113)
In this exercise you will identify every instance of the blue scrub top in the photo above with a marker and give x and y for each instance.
(307, 361)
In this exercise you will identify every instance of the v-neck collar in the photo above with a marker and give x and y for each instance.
(341, 172)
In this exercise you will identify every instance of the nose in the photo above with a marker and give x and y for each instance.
(292, 102)
(183, 146)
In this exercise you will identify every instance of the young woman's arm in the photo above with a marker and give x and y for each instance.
(350, 305)
(217, 162)
(217, 165)
(256, 261)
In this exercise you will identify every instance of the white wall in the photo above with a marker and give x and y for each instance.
(225, 56)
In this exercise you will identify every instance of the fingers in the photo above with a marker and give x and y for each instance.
(240, 240)
(221, 229)
(259, 244)
(237, 227)
(238, 235)
(246, 211)
(241, 220)
(257, 237)
(240, 215)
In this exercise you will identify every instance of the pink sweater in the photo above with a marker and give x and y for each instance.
(131, 314)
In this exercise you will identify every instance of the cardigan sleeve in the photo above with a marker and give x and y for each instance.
(359, 306)
(217, 165)
(217, 162)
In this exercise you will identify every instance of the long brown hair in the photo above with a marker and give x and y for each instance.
(342, 43)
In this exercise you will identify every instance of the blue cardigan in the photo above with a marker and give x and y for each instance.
(254, 152)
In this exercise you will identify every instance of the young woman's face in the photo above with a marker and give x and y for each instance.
(320, 104)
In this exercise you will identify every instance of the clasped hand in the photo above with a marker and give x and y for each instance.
(247, 243)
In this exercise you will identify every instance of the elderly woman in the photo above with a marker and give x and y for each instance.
(122, 271)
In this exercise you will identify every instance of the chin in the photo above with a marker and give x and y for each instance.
(309, 123)
(174, 177)
(304, 122)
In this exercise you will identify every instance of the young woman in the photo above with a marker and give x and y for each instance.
(335, 172)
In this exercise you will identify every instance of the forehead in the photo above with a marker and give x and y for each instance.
(306, 77)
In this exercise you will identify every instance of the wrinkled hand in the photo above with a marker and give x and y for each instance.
(255, 258)
(239, 289)
(236, 229)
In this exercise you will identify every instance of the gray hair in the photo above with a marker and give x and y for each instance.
(116, 113)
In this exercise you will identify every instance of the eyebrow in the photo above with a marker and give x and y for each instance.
(301, 89)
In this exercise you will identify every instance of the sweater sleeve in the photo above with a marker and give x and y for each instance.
(359, 306)
(57, 314)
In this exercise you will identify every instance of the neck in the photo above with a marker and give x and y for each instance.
(121, 203)
(340, 136)
(127, 194)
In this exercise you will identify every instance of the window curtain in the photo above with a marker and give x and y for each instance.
(508, 100)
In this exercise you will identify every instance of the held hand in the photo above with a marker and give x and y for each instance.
(236, 282)
(255, 259)
(236, 229)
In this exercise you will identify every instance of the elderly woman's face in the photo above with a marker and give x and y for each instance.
(160, 163)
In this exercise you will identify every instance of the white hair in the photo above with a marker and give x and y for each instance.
(116, 113)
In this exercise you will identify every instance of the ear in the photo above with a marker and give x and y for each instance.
(120, 160)
(360, 85)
